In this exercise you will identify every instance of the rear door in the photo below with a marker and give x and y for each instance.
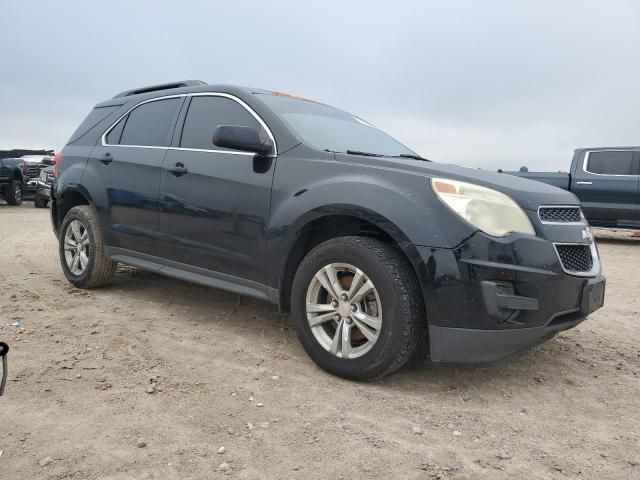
(127, 164)
(607, 183)
(214, 215)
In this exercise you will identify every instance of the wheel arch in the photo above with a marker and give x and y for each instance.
(16, 174)
(326, 223)
(66, 199)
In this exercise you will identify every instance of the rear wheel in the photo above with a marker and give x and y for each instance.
(357, 307)
(82, 254)
(13, 193)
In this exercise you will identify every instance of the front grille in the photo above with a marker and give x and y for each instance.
(575, 258)
(560, 214)
(31, 170)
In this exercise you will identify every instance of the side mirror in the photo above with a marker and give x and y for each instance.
(246, 139)
(4, 349)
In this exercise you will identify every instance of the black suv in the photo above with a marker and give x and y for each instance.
(371, 247)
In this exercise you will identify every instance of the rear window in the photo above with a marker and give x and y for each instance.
(610, 163)
(147, 125)
(114, 135)
(95, 116)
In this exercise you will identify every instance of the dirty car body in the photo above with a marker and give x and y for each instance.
(243, 221)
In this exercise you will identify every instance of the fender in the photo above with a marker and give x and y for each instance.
(292, 233)
(11, 169)
(355, 191)
(71, 188)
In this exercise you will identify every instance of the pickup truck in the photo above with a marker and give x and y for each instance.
(11, 180)
(605, 180)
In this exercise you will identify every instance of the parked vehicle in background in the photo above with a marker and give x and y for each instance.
(33, 165)
(370, 246)
(606, 180)
(11, 180)
(43, 188)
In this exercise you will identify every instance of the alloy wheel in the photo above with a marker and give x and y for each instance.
(344, 310)
(76, 247)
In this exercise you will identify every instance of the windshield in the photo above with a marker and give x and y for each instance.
(327, 128)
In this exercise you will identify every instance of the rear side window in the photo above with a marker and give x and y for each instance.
(610, 163)
(95, 116)
(206, 114)
(114, 135)
(147, 125)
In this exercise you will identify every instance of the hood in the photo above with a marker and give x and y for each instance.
(528, 194)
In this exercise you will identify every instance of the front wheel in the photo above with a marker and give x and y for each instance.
(357, 307)
(13, 193)
(82, 254)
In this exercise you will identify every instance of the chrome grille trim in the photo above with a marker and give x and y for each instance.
(561, 215)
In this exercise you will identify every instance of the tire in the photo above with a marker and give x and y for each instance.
(40, 202)
(394, 303)
(13, 193)
(94, 269)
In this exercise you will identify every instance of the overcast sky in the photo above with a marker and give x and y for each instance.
(487, 84)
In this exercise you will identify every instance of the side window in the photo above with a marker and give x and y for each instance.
(610, 163)
(206, 114)
(113, 137)
(147, 125)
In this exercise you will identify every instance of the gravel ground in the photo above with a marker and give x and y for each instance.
(155, 378)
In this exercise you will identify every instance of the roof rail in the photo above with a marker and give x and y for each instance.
(162, 86)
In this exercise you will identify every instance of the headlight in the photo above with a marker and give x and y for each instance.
(492, 212)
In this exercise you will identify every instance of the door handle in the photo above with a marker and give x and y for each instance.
(178, 169)
(584, 183)
(106, 158)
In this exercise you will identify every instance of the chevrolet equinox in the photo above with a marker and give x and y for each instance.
(373, 249)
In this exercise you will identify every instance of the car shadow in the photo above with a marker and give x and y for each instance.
(618, 241)
(207, 306)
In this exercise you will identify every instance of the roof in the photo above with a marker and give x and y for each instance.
(607, 148)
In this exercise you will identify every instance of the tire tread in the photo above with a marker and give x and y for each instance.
(411, 319)
(103, 267)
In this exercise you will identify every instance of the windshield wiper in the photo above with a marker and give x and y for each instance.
(366, 154)
(415, 157)
(369, 154)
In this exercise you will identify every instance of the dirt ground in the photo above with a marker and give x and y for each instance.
(150, 377)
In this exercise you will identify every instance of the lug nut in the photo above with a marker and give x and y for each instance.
(354, 308)
(334, 303)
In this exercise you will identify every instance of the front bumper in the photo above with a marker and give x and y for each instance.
(43, 190)
(29, 186)
(475, 346)
(490, 298)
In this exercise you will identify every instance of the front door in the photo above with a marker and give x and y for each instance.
(214, 202)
